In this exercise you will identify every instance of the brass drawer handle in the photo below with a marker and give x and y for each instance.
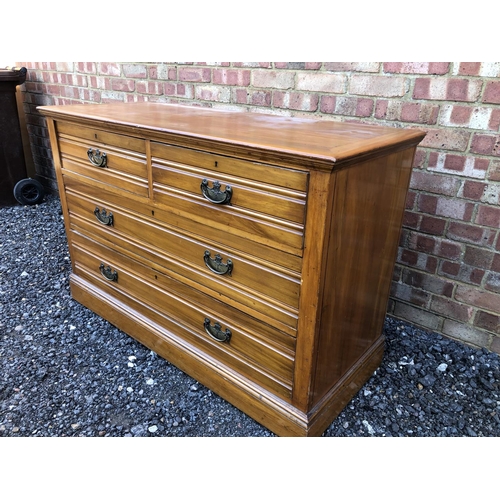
(97, 158)
(216, 332)
(214, 194)
(108, 273)
(103, 217)
(216, 265)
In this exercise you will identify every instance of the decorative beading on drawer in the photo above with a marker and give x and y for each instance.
(233, 276)
(106, 160)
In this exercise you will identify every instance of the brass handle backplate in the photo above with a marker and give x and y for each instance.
(216, 332)
(214, 194)
(108, 273)
(103, 217)
(97, 158)
(216, 265)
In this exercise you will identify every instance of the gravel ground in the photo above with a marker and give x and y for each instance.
(66, 372)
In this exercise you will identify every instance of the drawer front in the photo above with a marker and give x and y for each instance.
(253, 348)
(278, 179)
(237, 196)
(245, 283)
(110, 160)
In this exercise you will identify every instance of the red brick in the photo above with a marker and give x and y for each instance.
(432, 225)
(454, 209)
(122, 85)
(240, 96)
(485, 144)
(407, 112)
(417, 260)
(477, 297)
(313, 65)
(85, 67)
(346, 106)
(425, 68)
(478, 257)
(421, 243)
(419, 113)
(470, 233)
(493, 283)
(494, 123)
(460, 115)
(416, 316)
(195, 74)
(427, 203)
(420, 158)
(152, 88)
(381, 109)
(427, 282)
(407, 293)
(495, 345)
(261, 98)
(488, 216)
(473, 190)
(410, 200)
(109, 69)
(494, 174)
(487, 321)
(495, 265)
(465, 333)
(327, 104)
(290, 65)
(449, 249)
(411, 219)
(447, 89)
(451, 309)
(231, 77)
(492, 93)
(213, 93)
(461, 272)
(451, 139)
(296, 100)
(434, 183)
(469, 68)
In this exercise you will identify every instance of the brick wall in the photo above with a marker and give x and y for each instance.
(447, 275)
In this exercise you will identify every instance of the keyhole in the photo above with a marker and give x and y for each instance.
(216, 165)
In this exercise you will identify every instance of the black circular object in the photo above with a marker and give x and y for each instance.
(28, 192)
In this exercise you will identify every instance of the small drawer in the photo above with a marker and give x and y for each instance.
(276, 178)
(244, 344)
(267, 292)
(265, 202)
(107, 158)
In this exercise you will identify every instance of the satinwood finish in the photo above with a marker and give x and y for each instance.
(254, 252)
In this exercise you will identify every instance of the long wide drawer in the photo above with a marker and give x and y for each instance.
(237, 278)
(251, 347)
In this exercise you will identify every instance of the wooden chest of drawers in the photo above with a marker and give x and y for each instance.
(254, 252)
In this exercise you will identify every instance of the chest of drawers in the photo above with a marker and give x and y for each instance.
(254, 252)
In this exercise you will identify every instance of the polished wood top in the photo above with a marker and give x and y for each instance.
(324, 140)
